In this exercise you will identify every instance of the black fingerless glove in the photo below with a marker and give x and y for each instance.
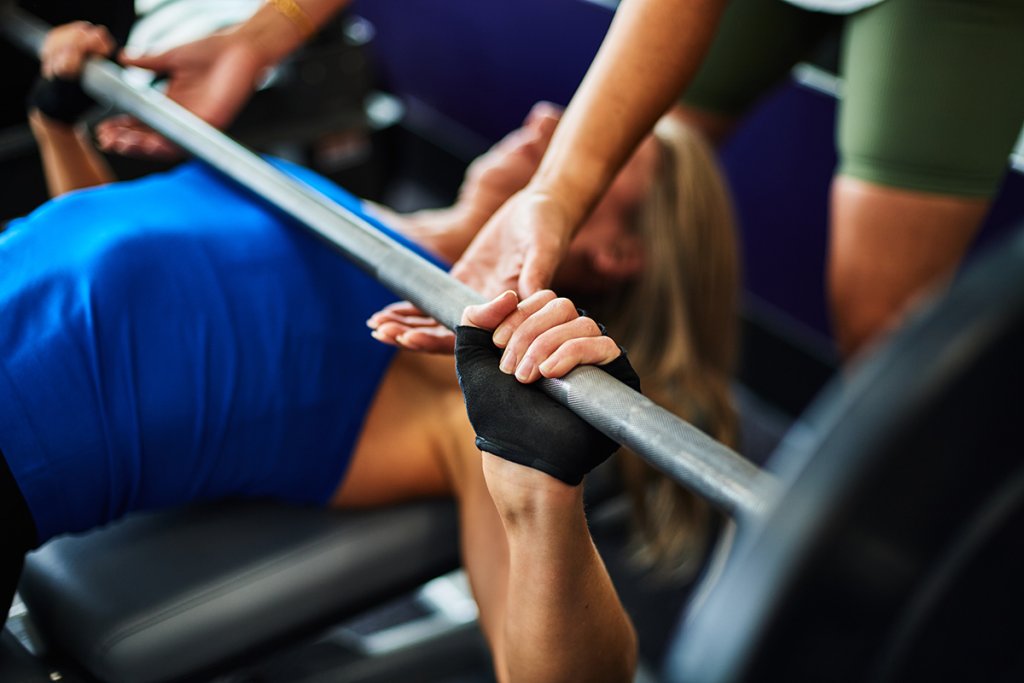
(60, 99)
(519, 422)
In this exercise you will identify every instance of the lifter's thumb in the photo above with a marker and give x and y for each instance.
(489, 315)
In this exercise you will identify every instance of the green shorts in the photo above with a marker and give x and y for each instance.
(932, 97)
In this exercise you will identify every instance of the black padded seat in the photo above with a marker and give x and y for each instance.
(169, 595)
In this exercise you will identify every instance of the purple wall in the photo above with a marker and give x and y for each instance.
(484, 62)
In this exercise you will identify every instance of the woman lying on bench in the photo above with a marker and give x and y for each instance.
(173, 339)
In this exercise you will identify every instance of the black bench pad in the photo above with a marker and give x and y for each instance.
(162, 596)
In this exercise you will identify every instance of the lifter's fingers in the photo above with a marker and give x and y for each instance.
(527, 307)
(98, 41)
(547, 343)
(580, 351)
(555, 312)
(65, 55)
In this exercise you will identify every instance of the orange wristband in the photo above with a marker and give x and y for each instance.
(296, 15)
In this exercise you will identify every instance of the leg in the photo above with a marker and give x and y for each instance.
(887, 245)
(755, 46)
(929, 115)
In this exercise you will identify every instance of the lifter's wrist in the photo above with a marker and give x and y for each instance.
(527, 498)
(47, 130)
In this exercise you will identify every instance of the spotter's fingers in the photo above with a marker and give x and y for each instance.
(403, 313)
(402, 308)
(125, 135)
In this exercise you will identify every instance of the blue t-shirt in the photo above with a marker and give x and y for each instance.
(173, 339)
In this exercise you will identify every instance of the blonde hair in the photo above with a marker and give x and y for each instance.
(678, 321)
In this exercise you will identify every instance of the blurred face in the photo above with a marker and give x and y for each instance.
(606, 251)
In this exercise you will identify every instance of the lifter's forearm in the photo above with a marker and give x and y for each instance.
(651, 53)
(563, 620)
(70, 162)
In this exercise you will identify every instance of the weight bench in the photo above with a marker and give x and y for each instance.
(187, 593)
(182, 594)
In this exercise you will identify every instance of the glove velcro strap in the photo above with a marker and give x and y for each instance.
(513, 454)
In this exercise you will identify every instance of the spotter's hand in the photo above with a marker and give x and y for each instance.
(213, 77)
(490, 181)
(519, 248)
